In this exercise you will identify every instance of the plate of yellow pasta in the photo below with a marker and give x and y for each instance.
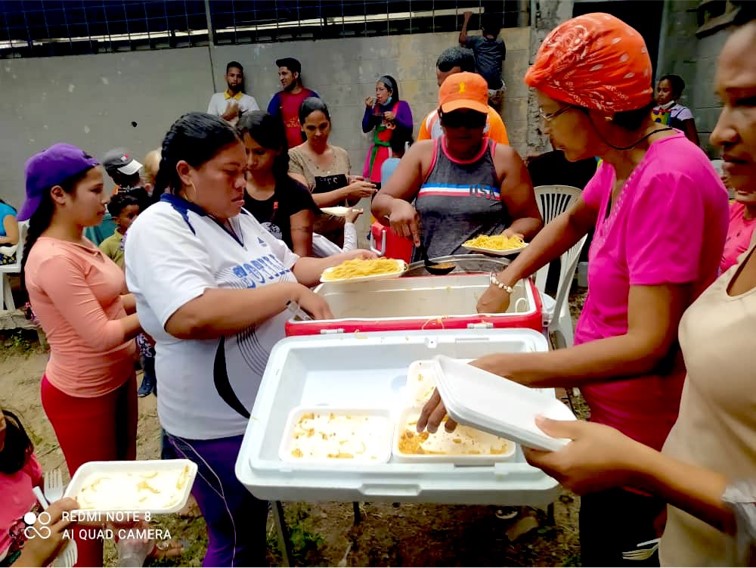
(362, 269)
(498, 245)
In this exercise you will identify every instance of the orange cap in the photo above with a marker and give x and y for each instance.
(463, 90)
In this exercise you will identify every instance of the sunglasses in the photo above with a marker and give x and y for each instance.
(463, 119)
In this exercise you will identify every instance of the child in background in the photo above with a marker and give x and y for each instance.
(490, 53)
(124, 207)
(150, 169)
(399, 143)
(670, 112)
(20, 473)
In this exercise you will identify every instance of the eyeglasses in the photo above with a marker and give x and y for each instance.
(549, 116)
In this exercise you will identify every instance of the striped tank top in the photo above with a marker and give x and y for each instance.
(459, 200)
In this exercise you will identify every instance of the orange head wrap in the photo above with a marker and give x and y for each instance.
(594, 61)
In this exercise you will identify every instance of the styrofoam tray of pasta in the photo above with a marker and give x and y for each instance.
(497, 245)
(465, 445)
(328, 435)
(361, 270)
(154, 486)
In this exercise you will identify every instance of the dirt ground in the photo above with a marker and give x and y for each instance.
(322, 534)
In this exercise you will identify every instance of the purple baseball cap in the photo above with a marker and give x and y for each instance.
(51, 167)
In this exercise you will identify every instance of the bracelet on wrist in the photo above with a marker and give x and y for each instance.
(500, 285)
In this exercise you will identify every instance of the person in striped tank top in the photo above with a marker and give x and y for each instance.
(462, 184)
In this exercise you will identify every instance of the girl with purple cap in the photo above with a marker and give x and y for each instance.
(79, 295)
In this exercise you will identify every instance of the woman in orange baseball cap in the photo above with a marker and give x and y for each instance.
(660, 216)
(462, 184)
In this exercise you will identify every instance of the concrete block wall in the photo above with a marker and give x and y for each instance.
(695, 60)
(131, 99)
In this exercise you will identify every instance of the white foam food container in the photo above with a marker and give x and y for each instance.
(421, 382)
(333, 436)
(481, 399)
(146, 486)
(359, 370)
(465, 445)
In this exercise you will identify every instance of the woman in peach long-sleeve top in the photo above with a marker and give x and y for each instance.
(79, 295)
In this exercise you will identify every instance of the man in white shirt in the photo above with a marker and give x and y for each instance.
(233, 102)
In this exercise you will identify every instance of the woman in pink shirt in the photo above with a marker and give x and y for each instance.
(79, 295)
(740, 230)
(660, 214)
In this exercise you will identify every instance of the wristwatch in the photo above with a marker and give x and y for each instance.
(500, 285)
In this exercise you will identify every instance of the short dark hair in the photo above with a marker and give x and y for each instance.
(123, 180)
(456, 57)
(18, 446)
(310, 105)
(746, 12)
(196, 137)
(399, 139)
(234, 64)
(290, 63)
(633, 119)
(121, 201)
(676, 83)
(490, 22)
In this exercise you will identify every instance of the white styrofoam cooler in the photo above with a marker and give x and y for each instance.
(359, 370)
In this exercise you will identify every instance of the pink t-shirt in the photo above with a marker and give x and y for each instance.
(739, 235)
(668, 226)
(75, 292)
(17, 499)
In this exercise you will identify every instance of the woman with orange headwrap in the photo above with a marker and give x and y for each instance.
(660, 216)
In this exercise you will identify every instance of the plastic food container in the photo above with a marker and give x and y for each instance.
(370, 371)
(147, 486)
(333, 436)
(481, 399)
(466, 445)
(419, 303)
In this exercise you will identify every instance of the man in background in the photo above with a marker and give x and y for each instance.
(456, 60)
(125, 173)
(233, 102)
(490, 53)
(285, 103)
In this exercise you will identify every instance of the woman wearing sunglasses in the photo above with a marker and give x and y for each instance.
(463, 185)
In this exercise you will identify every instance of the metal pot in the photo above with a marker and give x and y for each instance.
(465, 263)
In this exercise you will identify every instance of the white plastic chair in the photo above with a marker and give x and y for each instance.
(6, 294)
(560, 327)
(553, 200)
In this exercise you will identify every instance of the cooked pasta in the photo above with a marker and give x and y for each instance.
(495, 242)
(358, 267)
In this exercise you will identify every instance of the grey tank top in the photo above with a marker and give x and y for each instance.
(459, 201)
